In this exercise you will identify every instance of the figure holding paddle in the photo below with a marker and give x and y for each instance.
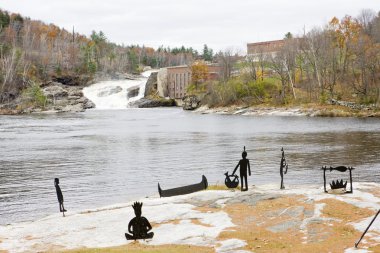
(59, 196)
(283, 165)
(244, 167)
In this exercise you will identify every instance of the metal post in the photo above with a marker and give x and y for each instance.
(324, 177)
(357, 243)
(351, 179)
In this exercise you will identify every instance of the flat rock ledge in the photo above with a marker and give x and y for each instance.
(151, 103)
(263, 219)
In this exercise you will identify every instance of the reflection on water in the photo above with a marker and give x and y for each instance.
(107, 157)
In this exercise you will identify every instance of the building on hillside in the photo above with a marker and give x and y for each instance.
(173, 81)
(265, 48)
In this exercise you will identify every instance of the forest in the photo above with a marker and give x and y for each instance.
(33, 52)
(339, 61)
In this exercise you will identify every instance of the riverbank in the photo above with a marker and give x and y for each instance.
(309, 110)
(264, 219)
(64, 94)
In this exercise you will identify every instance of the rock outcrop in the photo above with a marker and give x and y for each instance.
(150, 103)
(55, 91)
(351, 105)
(99, 77)
(70, 80)
(151, 85)
(151, 98)
(190, 102)
(162, 82)
(63, 98)
(133, 91)
(109, 91)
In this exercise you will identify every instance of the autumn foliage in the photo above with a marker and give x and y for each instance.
(32, 51)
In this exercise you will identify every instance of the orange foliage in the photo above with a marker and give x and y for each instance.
(345, 30)
(199, 72)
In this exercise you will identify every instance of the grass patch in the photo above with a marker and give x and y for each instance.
(217, 187)
(136, 247)
(373, 249)
(320, 236)
(341, 210)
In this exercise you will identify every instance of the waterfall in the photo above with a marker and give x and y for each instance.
(114, 94)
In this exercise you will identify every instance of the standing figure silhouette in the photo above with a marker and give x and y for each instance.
(283, 165)
(59, 196)
(244, 167)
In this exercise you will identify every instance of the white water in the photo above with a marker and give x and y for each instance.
(117, 100)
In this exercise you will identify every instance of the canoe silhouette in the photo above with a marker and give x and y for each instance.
(184, 189)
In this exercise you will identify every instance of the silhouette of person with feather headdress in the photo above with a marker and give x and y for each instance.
(139, 226)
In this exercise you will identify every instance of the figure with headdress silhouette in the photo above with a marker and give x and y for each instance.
(244, 167)
(283, 165)
(59, 196)
(139, 226)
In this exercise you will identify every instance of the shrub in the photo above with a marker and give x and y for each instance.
(237, 91)
(34, 95)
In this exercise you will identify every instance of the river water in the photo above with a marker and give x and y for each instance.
(106, 157)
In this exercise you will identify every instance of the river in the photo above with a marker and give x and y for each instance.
(114, 154)
(105, 157)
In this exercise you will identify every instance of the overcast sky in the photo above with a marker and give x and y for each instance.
(218, 23)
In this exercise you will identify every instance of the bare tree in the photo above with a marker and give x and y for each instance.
(226, 60)
(365, 19)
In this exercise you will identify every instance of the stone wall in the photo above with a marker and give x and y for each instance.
(162, 82)
(151, 85)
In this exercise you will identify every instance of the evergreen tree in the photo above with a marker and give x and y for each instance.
(208, 53)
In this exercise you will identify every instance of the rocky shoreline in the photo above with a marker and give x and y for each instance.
(64, 94)
(263, 219)
(306, 111)
(59, 98)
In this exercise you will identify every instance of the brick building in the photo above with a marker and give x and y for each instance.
(266, 48)
(174, 81)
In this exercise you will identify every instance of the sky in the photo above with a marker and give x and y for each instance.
(220, 24)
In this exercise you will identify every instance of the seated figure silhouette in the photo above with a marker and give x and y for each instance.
(59, 196)
(244, 167)
(139, 226)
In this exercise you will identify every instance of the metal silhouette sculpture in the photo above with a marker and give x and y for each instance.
(231, 181)
(370, 224)
(184, 189)
(338, 185)
(244, 168)
(283, 165)
(139, 226)
(59, 196)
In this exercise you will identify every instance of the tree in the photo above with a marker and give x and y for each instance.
(365, 19)
(277, 63)
(4, 19)
(208, 53)
(226, 60)
(288, 35)
(199, 73)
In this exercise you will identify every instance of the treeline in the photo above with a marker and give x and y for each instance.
(32, 51)
(340, 61)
